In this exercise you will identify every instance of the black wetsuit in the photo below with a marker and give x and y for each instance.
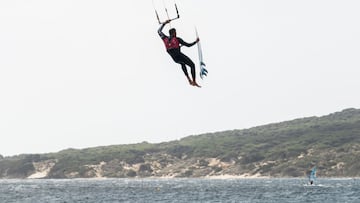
(177, 56)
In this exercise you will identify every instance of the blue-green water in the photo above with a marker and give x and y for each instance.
(180, 190)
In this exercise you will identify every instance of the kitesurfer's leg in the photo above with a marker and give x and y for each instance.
(191, 64)
(183, 60)
(179, 58)
(183, 67)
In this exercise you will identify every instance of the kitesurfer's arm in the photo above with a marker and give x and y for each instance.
(182, 42)
(161, 34)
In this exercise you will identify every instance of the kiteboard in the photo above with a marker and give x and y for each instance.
(203, 71)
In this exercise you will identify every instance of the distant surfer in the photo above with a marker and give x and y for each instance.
(173, 44)
(312, 176)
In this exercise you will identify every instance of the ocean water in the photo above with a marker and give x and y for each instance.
(180, 190)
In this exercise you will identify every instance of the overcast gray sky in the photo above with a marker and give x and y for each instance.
(84, 73)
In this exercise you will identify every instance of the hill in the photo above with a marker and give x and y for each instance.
(286, 149)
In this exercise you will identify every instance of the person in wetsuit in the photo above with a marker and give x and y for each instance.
(172, 44)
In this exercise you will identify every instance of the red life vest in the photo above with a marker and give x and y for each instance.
(172, 43)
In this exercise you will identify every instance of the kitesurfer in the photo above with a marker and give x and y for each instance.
(172, 44)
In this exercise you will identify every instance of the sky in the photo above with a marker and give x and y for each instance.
(86, 73)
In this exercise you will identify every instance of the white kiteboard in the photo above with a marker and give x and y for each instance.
(203, 71)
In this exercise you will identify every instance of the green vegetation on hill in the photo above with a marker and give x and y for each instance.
(286, 149)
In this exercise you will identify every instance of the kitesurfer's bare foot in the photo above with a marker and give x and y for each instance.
(195, 84)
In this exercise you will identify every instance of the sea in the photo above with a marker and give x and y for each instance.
(180, 190)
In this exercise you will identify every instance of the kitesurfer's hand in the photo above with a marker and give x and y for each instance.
(167, 21)
(197, 40)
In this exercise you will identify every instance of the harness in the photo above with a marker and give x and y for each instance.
(171, 43)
